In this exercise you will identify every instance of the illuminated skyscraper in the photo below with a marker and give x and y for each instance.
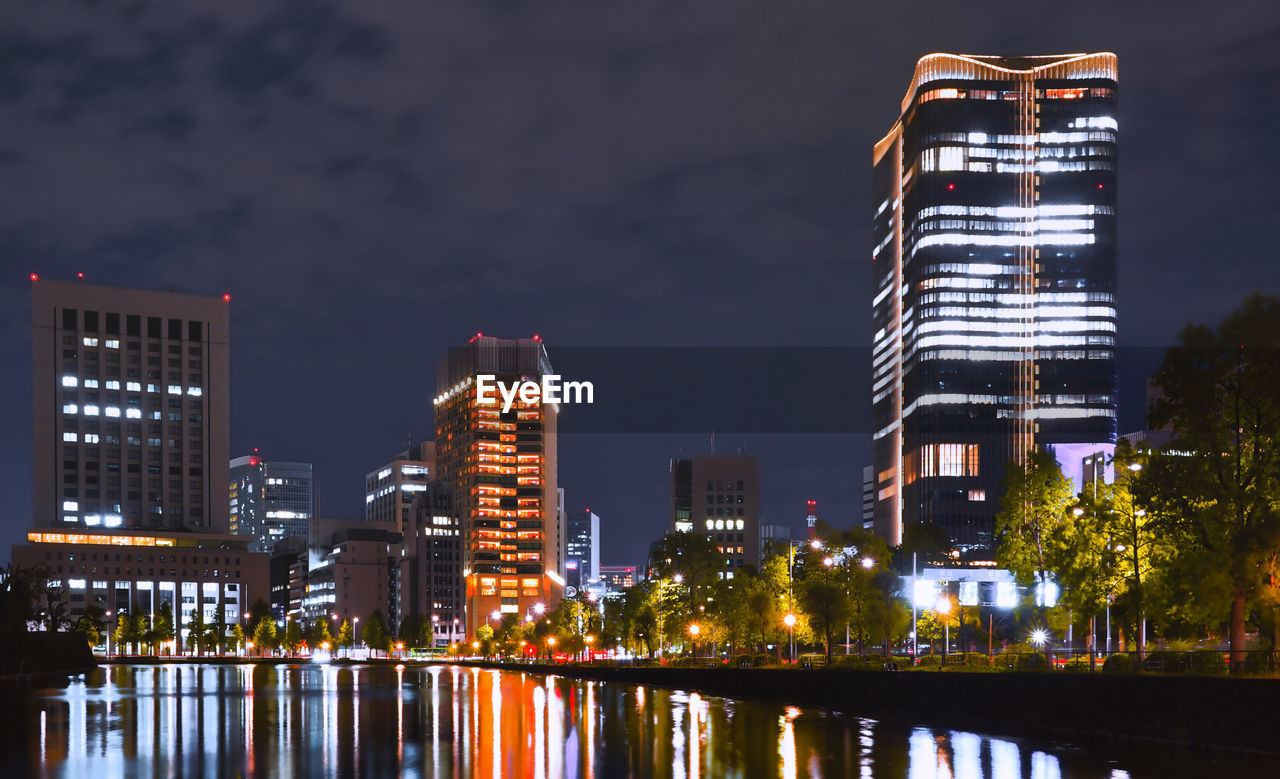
(270, 501)
(500, 469)
(994, 275)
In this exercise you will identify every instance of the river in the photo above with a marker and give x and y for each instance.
(325, 720)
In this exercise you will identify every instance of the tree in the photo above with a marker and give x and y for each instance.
(376, 636)
(141, 632)
(258, 611)
(1217, 484)
(163, 629)
(264, 636)
(410, 631)
(123, 633)
(196, 630)
(319, 636)
(293, 638)
(237, 635)
(346, 635)
(56, 615)
(826, 604)
(1032, 515)
(91, 624)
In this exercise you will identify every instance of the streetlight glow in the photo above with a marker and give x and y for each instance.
(867, 562)
(789, 620)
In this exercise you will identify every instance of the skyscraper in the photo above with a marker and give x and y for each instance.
(994, 276)
(270, 500)
(582, 555)
(719, 495)
(500, 469)
(389, 492)
(130, 408)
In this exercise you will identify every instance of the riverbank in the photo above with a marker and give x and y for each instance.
(38, 653)
(1202, 712)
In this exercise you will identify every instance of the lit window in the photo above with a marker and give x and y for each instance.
(195, 392)
(93, 519)
(741, 524)
(174, 389)
(153, 415)
(977, 495)
(112, 411)
(113, 385)
(70, 505)
(153, 388)
(91, 383)
(133, 413)
(711, 523)
(91, 411)
(91, 438)
(70, 408)
(90, 341)
(112, 344)
(70, 518)
(70, 381)
(134, 386)
(69, 437)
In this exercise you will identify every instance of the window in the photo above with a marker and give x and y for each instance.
(69, 437)
(70, 381)
(89, 438)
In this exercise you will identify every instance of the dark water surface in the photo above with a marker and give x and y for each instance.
(326, 720)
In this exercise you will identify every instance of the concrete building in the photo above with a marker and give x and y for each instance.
(500, 469)
(719, 495)
(130, 571)
(618, 578)
(431, 582)
(773, 539)
(129, 408)
(868, 498)
(582, 554)
(389, 492)
(129, 455)
(270, 500)
(994, 274)
(353, 570)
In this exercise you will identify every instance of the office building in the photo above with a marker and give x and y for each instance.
(389, 492)
(431, 583)
(774, 539)
(353, 570)
(500, 469)
(129, 408)
(868, 497)
(719, 495)
(617, 578)
(129, 455)
(582, 557)
(270, 501)
(994, 267)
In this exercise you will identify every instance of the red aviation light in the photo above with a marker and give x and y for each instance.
(35, 277)
(1099, 186)
(226, 297)
(951, 186)
(80, 275)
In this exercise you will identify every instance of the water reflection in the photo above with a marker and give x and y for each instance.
(282, 720)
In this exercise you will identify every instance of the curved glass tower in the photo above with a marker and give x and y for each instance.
(994, 273)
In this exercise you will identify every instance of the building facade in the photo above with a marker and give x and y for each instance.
(270, 501)
(994, 272)
(353, 570)
(389, 492)
(129, 408)
(432, 586)
(617, 578)
(720, 495)
(500, 469)
(582, 550)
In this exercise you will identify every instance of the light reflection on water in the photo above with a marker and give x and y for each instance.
(283, 720)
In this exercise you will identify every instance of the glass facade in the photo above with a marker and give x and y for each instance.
(994, 271)
(270, 501)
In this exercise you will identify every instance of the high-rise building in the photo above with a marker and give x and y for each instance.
(270, 500)
(431, 582)
(719, 495)
(130, 428)
(868, 497)
(994, 275)
(582, 544)
(130, 408)
(617, 578)
(389, 492)
(500, 469)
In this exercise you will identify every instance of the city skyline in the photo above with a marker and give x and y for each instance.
(797, 132)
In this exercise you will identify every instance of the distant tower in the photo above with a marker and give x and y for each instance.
(811, 521)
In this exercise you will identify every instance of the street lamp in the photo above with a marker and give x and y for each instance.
(943, 608)
(108, 616)
(790, 622)
(694, 630)
(678, 578)
(868, 563)
(828, 561)
(1039, 636)
(356, 631)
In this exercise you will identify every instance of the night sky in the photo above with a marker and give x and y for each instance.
(374, 182)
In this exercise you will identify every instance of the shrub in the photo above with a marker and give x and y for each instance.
(975, 660)
(930, 661)
(1078, 665)
(1261, 662)
(1032, 661)
(1119, 663)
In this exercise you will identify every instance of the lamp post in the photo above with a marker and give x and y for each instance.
(790, 622)
(694, 630)
(355, 631)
